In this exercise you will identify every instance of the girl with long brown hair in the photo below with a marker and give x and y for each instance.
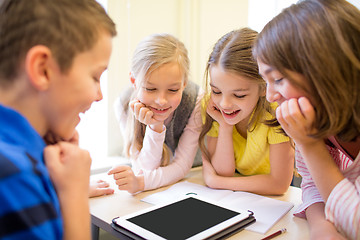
(240, 133)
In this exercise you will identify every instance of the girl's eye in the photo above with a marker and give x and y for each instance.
(96, 79)
(174, 90)
(215, 92)
(240, 96)
(278, 80)
(150, 89)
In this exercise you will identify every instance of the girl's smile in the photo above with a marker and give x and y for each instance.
(230, 115)
(160, 110)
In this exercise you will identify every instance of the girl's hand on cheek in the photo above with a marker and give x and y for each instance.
(144, 115)
(215, 113)
(297, 118)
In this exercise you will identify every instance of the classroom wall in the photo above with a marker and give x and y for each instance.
(198, 23)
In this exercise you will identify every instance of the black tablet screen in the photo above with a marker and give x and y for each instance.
(183, 219)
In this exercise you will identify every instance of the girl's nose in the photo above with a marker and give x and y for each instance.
(271, 94)
(161, 99)
(225, 103)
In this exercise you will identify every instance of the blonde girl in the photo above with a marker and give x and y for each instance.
(159, 116)
(311, 63)
(240, 130)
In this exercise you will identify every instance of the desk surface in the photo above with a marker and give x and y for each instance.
(103, 209)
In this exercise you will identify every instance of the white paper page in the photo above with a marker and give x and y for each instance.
(185, 188)
(267, 211)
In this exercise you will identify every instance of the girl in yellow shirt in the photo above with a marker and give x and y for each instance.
(242, 134)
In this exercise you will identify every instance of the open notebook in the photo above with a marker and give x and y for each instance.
(267, 211)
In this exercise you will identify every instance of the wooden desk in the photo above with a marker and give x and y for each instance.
(103, 209)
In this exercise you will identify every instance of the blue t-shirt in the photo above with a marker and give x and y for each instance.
(29, 206)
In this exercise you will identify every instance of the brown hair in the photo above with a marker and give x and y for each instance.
(151, 53)
(233, 53)
(320, 40)
(67, 27)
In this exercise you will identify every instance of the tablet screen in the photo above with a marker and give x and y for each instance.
(183, 219)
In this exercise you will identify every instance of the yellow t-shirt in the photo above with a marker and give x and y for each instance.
(252, 153)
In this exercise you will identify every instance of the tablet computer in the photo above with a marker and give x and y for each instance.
(191, 217)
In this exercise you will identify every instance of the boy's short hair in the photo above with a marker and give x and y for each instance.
(66, 27)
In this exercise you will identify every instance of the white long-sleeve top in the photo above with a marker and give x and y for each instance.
(343, 205)
(148, 160)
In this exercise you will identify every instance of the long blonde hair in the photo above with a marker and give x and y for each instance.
(233, 52)
(151, 53)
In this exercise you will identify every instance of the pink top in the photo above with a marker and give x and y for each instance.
(343, 205)
(148, 160)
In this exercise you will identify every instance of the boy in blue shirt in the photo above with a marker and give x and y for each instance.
(52, 56)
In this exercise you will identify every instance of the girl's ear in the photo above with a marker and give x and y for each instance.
(262, 91)
(185, 83)
(132, 80)
(37, 63)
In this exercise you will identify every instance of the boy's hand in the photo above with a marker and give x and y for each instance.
(126, 180)
(69, 168)
(144, 115)
(74, 139)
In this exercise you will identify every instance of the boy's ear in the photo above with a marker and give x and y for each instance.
(37, 63)
(132, 80)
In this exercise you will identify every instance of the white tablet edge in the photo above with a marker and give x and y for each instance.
(144, 233)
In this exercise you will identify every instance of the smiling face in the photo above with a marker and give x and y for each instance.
(162, 90)
(73, 92)
(234, 95)
(278, 87)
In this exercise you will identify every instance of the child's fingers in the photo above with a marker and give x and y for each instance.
(307, 109)
(289, 112)
(104, 191)
(132, 103)
(136, 107)
(214, 112)
(52, 156)
(102, 184)
(99, 188)
(142, 114)
(75, 138)
(284, 111)
(122, 182)
(148, 118)
(118, 169)
(73, 156)
(297, 112)
(279, 116)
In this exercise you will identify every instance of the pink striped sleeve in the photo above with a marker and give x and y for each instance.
(310, 194)
(343, 208)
